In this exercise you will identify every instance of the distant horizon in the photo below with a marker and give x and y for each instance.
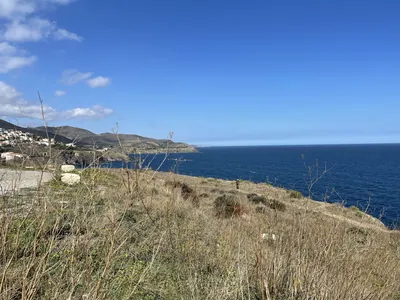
(295, 145)
(240, 143)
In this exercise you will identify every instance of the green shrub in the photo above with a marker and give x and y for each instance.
(272, 204)
(257, 198)
(295, 194)
(229, 205)
(359, 234)
(354, 208)
(187, 192)
(277, 205)
(357, 211)
(359, 214)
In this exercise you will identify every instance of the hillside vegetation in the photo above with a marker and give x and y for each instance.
(129, 234)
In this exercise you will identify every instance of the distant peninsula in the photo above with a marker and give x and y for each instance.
(80, 138)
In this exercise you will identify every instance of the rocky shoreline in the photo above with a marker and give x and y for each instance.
(88, 157)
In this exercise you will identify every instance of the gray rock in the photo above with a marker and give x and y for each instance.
(70, 179)
(67, 168)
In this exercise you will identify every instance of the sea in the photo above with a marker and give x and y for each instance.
(366, 176)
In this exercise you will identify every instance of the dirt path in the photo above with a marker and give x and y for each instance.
(14, 180)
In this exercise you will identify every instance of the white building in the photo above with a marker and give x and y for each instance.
(10, 156)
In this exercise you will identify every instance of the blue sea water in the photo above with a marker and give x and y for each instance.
(367, 176)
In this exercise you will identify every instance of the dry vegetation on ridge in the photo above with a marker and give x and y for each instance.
(124, 234)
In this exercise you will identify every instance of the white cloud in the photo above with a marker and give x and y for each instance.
(19, 9)
(95, 111)
(71, 77)
(32, 30)
(12, 58)
(59, 93)
(62, 34)
(20, 22)
(36, 29)
(12, 104)
(61, 2)
(99, 81)
(8, 63)
(8, 94)
(6, 49)
(10, 9)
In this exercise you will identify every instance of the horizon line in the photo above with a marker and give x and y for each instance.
(289, 145)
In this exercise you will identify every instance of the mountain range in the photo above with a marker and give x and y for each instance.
(85, 138)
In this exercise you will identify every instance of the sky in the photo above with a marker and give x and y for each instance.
(214, 72)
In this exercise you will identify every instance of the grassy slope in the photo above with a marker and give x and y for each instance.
(126, 235)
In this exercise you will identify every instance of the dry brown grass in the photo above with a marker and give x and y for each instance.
(125, 235)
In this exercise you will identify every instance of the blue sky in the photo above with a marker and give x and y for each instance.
(213, 72)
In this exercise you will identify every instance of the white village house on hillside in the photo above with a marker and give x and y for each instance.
(10, 137)
(11, 155)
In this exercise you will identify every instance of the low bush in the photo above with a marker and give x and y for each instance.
(277, 205)
(357, 211)
(257, 198)
(271, 204)
(173, 184)
(187, 192)
(228, 205)
(359, 214)
(295, 194)
(360, 235)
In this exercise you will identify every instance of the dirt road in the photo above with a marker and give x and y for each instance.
(14, 180)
